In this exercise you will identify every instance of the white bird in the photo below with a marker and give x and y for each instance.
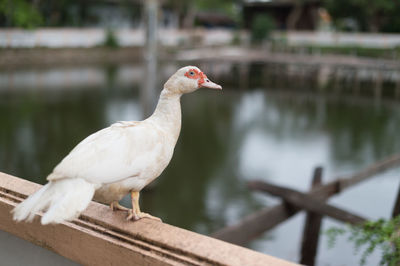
(116, 160)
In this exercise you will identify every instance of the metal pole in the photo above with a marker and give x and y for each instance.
(149, 89)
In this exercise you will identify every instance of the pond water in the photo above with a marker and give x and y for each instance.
(254, 129)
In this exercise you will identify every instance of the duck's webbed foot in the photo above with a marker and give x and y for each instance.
(135, 214)
(115, 206)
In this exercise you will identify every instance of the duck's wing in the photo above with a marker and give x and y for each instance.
(111, 154)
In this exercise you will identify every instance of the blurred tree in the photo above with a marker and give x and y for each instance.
(110, 40)
(186, 10)
(227, 7)
(261, 28)
(77, 13)
(20, 13)
(377, 15)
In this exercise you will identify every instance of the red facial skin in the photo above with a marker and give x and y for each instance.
(197, 75)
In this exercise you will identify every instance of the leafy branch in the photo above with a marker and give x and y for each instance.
(383, 234)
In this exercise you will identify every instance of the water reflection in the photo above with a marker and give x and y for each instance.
(267, 131)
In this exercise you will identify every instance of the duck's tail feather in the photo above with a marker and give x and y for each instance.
(63, 200)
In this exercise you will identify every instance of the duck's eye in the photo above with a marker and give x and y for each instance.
(191, 73)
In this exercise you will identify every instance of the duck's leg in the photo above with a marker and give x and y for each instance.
(115, 206)
(136, 214)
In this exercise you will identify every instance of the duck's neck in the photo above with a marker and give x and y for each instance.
(168, 112)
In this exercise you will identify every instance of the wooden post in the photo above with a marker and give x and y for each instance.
(396, 212)
(397, 90)
(378, 86)
(396, 208)
(356, 85)
(312, 227)
(243, 76)
(337, 86)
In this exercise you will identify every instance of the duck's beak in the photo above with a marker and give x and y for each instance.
(211, 85)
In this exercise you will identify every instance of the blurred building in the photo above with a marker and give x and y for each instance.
(108, 13)
(287, 14)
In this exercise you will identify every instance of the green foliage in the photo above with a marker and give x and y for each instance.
(223, 6)
(236, 38)
(384, 234)
(110, 39)
(226, 7)
(20, 13)
(56, 13)
(261, 28)
(377, 15)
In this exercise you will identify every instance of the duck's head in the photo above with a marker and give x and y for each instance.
(188, 79)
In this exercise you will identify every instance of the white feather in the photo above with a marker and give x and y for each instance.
(63, 199)
(111, 154)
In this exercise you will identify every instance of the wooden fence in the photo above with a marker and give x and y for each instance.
(313, 202)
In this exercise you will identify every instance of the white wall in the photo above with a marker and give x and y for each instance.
(377, 40)
(65, 37)
(89, 37)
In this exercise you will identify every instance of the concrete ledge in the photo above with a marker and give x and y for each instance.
(103, 237)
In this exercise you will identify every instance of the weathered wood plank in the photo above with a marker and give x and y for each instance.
(103, 237)
(307, 202)
(376, 168)
(396, 207)
(257, 223)
(312, 227)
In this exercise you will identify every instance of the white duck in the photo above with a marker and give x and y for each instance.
(116, 160)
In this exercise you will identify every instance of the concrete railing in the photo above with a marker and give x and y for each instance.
(103, 237)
